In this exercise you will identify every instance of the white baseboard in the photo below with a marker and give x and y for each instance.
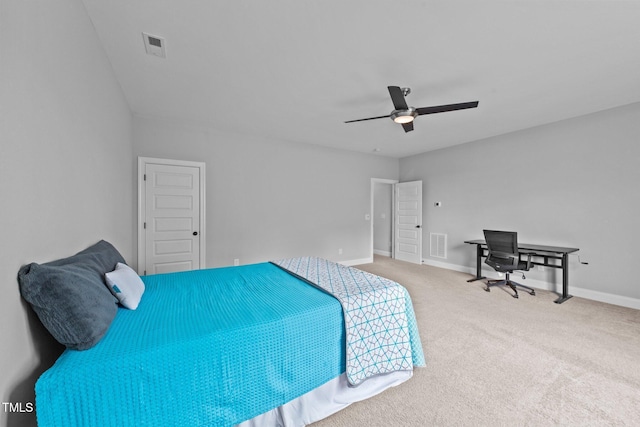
(448, 266)
(353, 262)
(605, 297)
(382, 253)
(540, 284)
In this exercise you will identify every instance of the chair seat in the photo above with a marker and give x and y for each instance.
(507, 267)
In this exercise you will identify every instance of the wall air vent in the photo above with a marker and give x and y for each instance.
(438, 245)
(154, 45)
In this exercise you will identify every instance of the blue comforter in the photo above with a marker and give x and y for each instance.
(208, 347)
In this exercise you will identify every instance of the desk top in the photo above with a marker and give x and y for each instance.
(532, 247)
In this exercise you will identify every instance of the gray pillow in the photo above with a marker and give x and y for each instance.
(70, 296)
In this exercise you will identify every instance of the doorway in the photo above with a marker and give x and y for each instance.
(396, 219)
(382, 218)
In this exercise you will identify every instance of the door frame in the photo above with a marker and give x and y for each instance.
(393, 213)
(142, 162)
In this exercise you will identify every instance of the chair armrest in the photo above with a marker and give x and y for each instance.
(528, 254)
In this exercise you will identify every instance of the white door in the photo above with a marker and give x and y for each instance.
(172, 220)
(408, 227)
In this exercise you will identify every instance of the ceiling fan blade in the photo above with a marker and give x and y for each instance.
(408, 127)
(399, 103)
(369, 118)
(445, 108)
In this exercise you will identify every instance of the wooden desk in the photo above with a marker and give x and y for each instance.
(546, 253)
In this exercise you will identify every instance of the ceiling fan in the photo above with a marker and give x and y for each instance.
(404, 115)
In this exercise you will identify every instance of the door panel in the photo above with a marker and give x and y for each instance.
(173, 247)
(172, 200)
(408, 213)
(170, 267)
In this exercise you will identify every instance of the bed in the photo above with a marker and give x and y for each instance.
(251, 345)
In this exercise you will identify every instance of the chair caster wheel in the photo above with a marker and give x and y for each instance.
(533, 293)
(487, 289)
(516, 296)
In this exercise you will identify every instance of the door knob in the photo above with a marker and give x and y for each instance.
(417, 226)
(195, 233)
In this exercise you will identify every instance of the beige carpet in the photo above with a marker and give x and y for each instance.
(493, 360)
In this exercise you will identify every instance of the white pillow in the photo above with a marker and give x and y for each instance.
(125, 284)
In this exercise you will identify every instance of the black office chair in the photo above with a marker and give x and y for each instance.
(504, 257)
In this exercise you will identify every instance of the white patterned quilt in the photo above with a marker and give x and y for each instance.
(381, 330)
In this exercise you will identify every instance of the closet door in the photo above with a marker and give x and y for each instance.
(171, 217)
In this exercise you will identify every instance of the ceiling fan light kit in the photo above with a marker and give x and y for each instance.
(404, 115)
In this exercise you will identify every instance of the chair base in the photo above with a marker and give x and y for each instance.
(509, 283)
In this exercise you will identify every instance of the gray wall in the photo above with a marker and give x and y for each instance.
(269, 199)
(66, 168)
(572, 183)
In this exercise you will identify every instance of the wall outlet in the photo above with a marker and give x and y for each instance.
(236, 262)
(340, 251)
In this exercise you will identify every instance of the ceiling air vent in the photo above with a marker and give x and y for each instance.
(154, 45)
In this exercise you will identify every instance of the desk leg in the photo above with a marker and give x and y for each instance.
(565, 280)
(478, 265)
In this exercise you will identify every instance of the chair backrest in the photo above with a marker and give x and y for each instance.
(503, 249)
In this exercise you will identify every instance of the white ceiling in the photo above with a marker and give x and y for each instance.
(295, 70)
